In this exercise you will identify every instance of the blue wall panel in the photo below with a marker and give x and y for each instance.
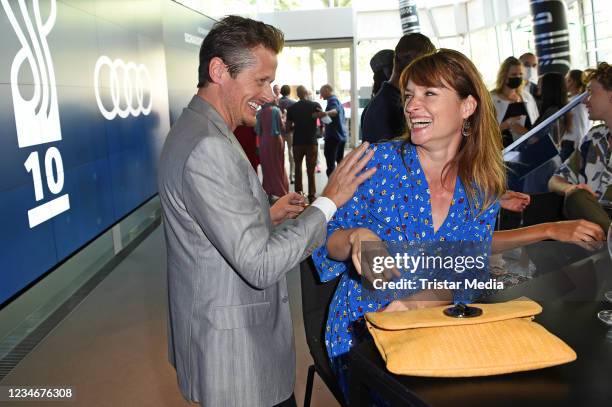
(107, 161)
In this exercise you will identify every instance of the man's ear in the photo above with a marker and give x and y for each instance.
(468, 106)
(217, 70)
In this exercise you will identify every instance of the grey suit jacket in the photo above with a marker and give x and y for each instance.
(230, 332)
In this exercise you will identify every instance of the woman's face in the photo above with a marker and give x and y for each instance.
(515, 71)
(598, 101)
(569, 83)
(435, 115)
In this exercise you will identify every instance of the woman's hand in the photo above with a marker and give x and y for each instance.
(516, 128)
(576, 231)
(505, 125)
(574, 187)
(402, 305)
(514, 201)
(422, 299)
(357, 236)
(287, 207)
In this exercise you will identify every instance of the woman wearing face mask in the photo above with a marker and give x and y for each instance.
(516, 108)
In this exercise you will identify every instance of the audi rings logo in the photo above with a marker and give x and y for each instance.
(128, 91)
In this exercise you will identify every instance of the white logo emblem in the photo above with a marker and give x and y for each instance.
(37, 119)
(128, 85)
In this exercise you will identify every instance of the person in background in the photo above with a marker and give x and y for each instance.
(335, 133)
(320, 130)
(383, 117)
(302, 119)
(272, 151)
(382, 67)
(283, 103)
(441, 182)
(530, 63)
(276, 91)
(585, 178)
(553, 96)
(247, 138)
(580, 119)
(516, 108)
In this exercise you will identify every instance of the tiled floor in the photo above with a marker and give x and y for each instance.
(112, 348)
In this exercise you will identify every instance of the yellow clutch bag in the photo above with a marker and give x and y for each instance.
(503, 339)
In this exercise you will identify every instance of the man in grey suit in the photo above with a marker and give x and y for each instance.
(230, 332)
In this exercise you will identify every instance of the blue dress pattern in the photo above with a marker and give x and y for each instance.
(395, 204)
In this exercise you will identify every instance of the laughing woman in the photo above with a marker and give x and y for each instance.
(441, 182)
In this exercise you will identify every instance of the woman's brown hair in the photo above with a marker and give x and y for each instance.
(478, 161)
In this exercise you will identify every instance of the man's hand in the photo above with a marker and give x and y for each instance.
(287, 207)
(345, 179)
(514, 201)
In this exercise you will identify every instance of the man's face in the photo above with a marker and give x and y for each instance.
(599, 101)
(324, 92)
(250, 89)
(276, 90)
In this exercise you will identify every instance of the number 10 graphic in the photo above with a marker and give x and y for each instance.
(37, 120)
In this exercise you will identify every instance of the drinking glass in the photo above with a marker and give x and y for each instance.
(606, 315)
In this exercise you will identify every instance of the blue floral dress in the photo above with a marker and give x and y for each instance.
(395, 204)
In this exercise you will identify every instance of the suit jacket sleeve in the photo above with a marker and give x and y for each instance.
(217, 194)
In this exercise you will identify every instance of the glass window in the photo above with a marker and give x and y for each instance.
(603, 31)
(284, 5)
(369, 5)
(294, 67)
(444, 20)
(522, 37)
(475, 12)
(504, 41)
(518, 7)
(459, 43)
(483, 43)
(604, 47)
(576, 37)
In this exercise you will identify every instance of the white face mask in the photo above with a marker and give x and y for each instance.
(531, 75)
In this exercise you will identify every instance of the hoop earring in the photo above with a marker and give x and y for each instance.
(465, 128)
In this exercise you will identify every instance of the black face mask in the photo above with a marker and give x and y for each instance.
(514, 82)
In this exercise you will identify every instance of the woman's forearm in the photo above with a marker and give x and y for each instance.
(511, 239)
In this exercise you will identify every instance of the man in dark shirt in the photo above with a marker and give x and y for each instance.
(283, 103)
(302, 118)
(335, 134)
(383, 117)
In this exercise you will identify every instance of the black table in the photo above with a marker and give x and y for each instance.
(570, 299)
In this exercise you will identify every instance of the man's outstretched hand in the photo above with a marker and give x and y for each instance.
(345, 179)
